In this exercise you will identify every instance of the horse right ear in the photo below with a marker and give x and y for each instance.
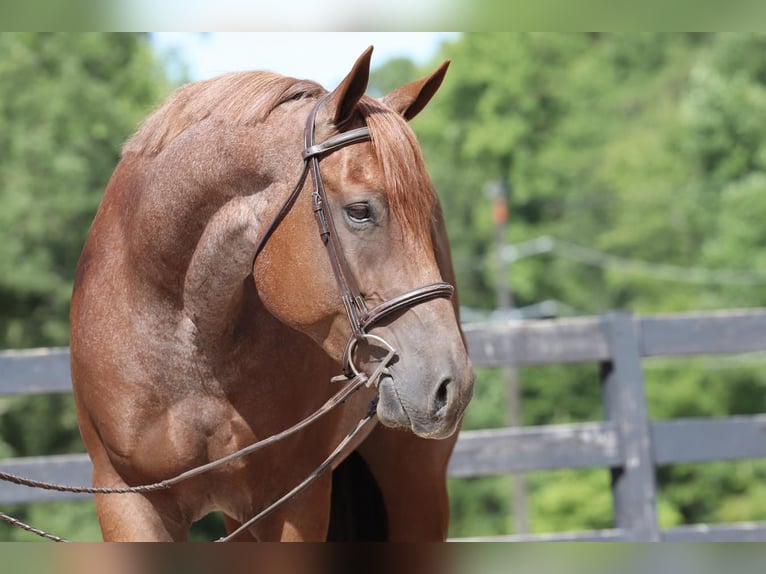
(344, 98)
(411, 98)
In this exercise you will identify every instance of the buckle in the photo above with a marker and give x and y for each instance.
(350, 369)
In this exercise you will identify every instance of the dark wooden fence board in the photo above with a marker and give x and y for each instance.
(704, 440)
(704, 334)
(633, 482)
(537, 342)
(35, 371)
(738, 532)
(523, 343)
(68, 469)
(607, 535)
(501, 451)
(521, 449)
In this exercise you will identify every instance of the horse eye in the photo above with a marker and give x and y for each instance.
(359, 212)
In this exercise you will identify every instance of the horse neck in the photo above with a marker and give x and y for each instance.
(198, 210)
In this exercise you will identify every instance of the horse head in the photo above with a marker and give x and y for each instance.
(357, 257)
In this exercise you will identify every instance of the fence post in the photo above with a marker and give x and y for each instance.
(624, 399)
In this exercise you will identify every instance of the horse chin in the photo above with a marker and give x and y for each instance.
(392, 413)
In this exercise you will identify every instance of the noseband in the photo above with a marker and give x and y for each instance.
(361, 317)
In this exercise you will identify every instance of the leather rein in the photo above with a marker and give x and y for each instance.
(360, 316)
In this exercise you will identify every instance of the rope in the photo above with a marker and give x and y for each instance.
(24, 526)
(333, 402)
(354, 385)
(309, 479)
(265, 512)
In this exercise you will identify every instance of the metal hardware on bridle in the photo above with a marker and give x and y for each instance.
(382, 369)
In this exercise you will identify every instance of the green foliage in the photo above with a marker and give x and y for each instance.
(75, 520)
(479, 506)
(394, 73)
(67, 102)
(570, 500)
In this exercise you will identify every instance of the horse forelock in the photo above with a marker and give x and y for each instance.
(410, 193)
(242, 98)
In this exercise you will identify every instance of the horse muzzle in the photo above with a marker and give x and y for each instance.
(428, 410)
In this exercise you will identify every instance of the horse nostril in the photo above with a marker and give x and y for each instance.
(442, 395)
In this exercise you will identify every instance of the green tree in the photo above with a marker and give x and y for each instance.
(391, 74)
(67, 103)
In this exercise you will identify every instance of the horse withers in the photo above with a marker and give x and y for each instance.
(257, 233)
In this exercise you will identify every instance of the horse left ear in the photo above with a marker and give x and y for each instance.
(410, 98)
(344, 98)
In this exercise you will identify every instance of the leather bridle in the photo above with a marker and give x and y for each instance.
(361, 317)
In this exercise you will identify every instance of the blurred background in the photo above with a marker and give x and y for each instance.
(579, 173)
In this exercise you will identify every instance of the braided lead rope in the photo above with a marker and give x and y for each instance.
(354, 385)
(294, 492)
(371, 411)
(29, 528)
(310, 478)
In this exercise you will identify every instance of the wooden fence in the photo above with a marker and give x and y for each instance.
(626, 441)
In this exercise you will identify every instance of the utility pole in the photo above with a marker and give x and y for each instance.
(499, 195)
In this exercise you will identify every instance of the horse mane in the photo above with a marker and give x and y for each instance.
(237, 97)
(249, 97)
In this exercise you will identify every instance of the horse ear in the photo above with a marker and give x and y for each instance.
(344, 98)
(410, 98)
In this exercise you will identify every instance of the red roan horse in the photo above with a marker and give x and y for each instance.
(209, 313)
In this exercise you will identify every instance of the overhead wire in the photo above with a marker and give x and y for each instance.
(571, 251)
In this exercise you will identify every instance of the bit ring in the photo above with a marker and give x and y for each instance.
(373, 380)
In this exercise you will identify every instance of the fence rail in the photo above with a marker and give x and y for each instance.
(626, 441)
